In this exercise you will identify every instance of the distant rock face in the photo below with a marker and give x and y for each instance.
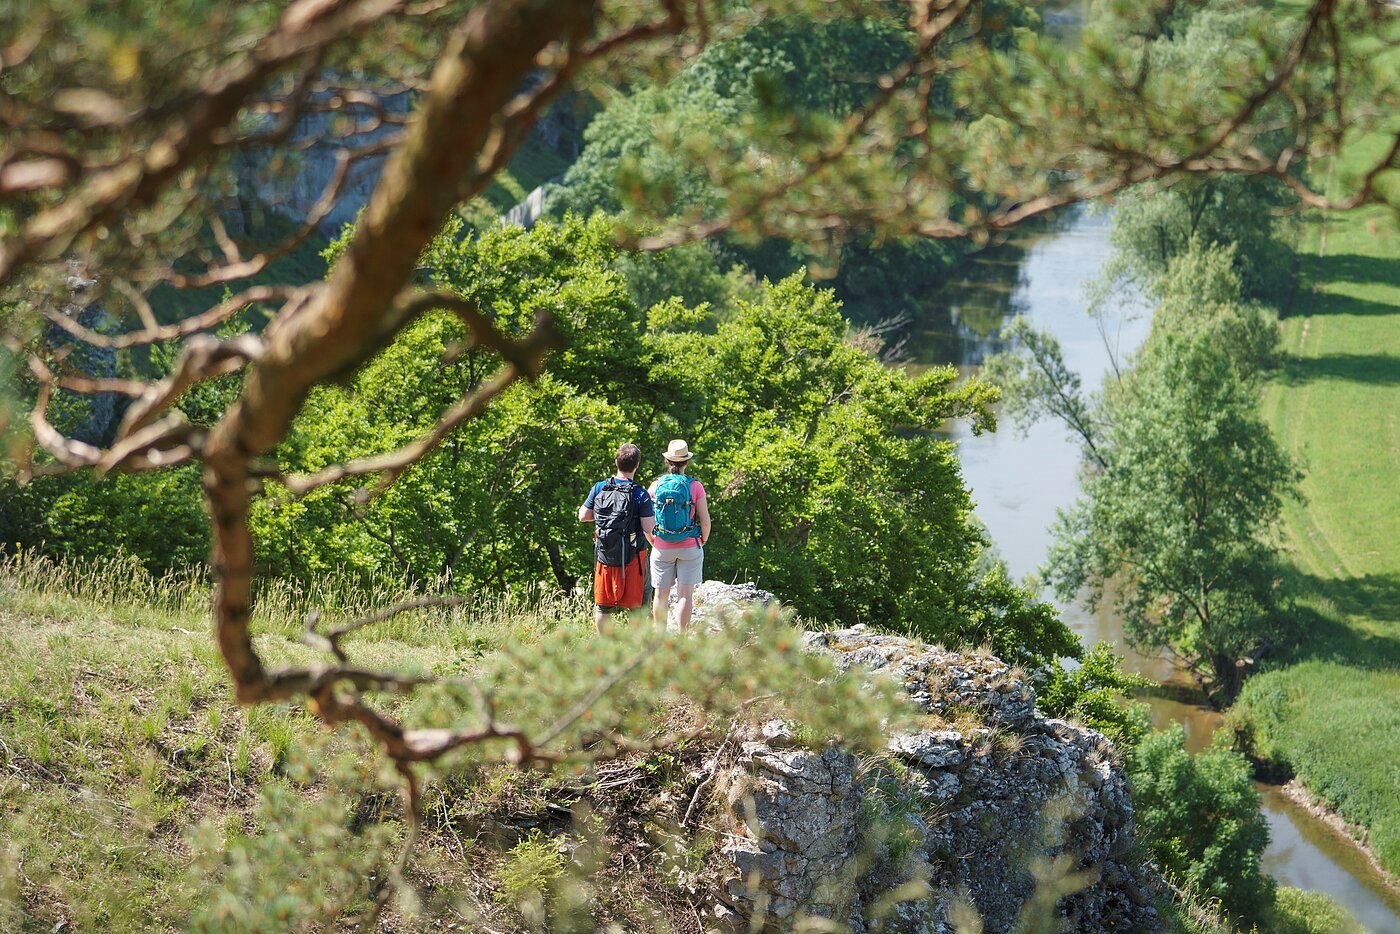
(90, 418)
(293, 189)
(293, 186)
(979, 809)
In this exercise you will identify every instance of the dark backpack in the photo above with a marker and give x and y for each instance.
(675, 513)
(615, 519)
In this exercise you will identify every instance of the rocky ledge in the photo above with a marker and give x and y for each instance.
(985, 814)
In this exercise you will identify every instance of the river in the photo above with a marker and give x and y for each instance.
(1019, 481)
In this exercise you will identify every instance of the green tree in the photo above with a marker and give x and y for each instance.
(1175, 526)
(1200, 818)
(1255, 216)
(1092, 693)
(493, 502)
(1154, 224)
(157, 518)
(833, 486)
(1037, 383)
(773, 78)
(1202, 293)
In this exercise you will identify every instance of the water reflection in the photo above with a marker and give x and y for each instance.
(1307, 854)
(960, 322)
(1019, 481)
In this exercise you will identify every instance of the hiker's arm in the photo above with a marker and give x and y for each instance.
(649, 522)
(585, 514)
(702, 513)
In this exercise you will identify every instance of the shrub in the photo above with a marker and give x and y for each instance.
(299, 868)
(530, 869)
(1090, 694)
(156, 517)
(1199, 816)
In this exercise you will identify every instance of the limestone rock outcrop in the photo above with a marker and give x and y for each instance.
(716, 601)
(293, 188)
(988, 808)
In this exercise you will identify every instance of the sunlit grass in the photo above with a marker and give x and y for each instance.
(122, 591)
(1331, 707)
(119, 738)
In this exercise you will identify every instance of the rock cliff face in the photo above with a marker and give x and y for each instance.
(989, 810)
(293, 187)
(89, 418)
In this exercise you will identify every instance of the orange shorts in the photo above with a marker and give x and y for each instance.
(620, 588)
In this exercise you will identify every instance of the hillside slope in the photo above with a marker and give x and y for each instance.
(1333, 713)
(134, 795)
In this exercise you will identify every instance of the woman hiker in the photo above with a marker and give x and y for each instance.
(682, 528)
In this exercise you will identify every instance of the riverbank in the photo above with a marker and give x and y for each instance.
(1019, 480)
(1299, 794)
(1329, 707)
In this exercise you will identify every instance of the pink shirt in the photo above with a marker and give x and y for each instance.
(697, 493)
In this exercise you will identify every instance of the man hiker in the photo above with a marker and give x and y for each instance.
(682, 529)
(623, 517)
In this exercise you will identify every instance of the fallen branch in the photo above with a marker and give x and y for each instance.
(711, 768)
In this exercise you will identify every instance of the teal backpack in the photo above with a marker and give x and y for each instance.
(675, 513)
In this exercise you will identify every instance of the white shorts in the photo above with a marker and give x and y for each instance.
(670, 566)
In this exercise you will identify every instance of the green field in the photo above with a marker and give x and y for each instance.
(135, 795)
(1332, 710)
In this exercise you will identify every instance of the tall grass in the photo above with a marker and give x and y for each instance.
(123, 755)
(124, 580)
(125, 591)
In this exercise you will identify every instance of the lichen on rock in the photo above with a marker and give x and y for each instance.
(985, 808)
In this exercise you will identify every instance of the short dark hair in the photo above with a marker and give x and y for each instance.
(628, 457)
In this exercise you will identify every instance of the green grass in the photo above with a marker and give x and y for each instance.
(1295, 912)
(135, 795)
(1331, 707)
(1300, 912)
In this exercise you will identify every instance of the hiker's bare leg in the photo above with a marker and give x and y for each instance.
(684, 601)
(598, 617)
(660, 605)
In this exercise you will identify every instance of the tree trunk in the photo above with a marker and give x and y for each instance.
(1229, 679)
(561, 574)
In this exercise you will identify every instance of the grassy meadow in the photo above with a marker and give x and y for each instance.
(1332, 709)
(134, 795)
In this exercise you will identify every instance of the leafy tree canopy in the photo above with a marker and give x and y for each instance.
(1200, 818)
(830, 484)
(1092, 693)
(1176, 523)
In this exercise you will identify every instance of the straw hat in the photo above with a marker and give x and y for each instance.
(678, 452)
